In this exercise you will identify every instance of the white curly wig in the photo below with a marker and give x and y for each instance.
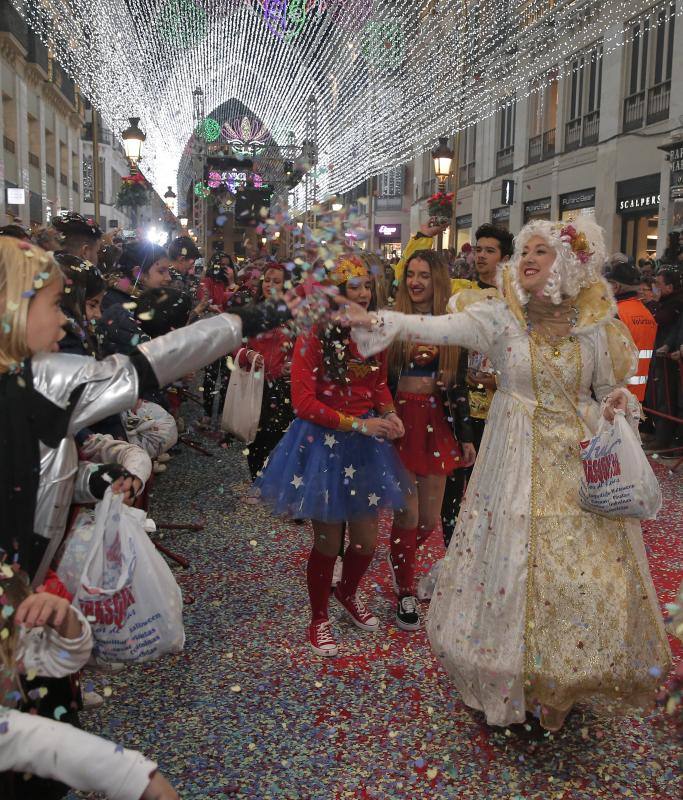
(568, 274)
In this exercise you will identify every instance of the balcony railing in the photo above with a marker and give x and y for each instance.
(634, 111)
(8, 144)
(591, 128)
(50, 170)
(572, 135)
(33, 160)
(542, 146)
(63, 179)
(389, 203)
(658, 102)
(504, 160)
(74, 186)
(466, 175)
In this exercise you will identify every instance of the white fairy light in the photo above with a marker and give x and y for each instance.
(389, 76)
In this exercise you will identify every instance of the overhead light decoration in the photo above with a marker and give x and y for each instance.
(247, 136)
(202, 190)
(208, 130)
(405, 71)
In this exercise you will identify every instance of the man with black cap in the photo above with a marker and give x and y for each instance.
(80, 236)
(624, 278)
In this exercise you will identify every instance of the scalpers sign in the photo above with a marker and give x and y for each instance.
(646, 201)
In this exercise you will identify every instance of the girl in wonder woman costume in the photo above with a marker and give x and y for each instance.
(334, 464)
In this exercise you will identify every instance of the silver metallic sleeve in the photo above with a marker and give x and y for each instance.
(109, 386)
(187, 349)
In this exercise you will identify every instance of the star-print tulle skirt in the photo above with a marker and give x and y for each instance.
(331, 476)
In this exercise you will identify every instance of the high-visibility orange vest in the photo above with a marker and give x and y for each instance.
(641, 323)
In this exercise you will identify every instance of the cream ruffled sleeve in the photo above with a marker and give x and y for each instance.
(476, 328)
(616, 358)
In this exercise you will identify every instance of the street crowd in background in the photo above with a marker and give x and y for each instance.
(148, 326)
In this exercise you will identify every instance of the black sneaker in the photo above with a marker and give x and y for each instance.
(407, 615)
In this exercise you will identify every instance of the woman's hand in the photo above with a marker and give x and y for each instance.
(469, 454)
(159, 788)
(398, 430)
(375, 426)
(615, 401)
(42, 608)
(255, 358)
(352, 315)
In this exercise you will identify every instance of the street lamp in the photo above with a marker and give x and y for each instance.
(133, 138)
(443, 158)
(337, 205)
(183, 222)
(169, 197)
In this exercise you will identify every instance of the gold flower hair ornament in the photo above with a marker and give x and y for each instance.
(347, 267)
(578, 243)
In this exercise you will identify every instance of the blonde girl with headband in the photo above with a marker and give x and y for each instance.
(540, 605)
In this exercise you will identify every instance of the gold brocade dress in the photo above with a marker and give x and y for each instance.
(540, 604)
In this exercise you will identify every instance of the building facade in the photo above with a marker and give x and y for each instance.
(40, 126)
(583, 142)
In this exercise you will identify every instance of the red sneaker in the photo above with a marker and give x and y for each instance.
(321, 639)
(356, 609)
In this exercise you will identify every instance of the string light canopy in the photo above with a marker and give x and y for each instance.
(389, 77)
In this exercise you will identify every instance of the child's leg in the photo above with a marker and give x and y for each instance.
(430, 492)
(321, 565)
(359, 553)
(403, 543)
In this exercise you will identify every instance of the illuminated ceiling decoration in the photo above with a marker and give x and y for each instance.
(388, 76)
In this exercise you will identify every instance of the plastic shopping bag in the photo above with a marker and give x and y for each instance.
(127, 591)
(617, 479)
(242, 409)
(79, 543)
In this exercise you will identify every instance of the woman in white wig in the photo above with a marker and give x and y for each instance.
(540, 605)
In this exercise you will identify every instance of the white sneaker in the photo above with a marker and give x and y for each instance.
(427, 582)
(337, 571)
(392, 573)
(110, 667)
(92, 700)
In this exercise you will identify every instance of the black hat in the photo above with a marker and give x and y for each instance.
(623, 272)
(73, 224)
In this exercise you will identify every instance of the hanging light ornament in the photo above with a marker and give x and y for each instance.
(182, 23)
(208, 130)
(202, 190)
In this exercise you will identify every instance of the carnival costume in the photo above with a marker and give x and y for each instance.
(540, 604)
(325, 468)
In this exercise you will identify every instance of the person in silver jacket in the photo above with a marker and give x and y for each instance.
(82, 391)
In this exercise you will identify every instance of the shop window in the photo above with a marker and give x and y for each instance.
(649, 60)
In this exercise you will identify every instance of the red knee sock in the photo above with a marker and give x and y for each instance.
(355, 566)
(319, 579)
(403, 547)
(423, 535)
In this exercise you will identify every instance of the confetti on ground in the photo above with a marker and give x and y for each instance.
(246, 711)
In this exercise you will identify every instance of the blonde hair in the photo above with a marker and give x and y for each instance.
(399, 352)
(24, 269)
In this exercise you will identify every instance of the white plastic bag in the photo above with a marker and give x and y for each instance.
(127, 591)
(79, 543)
(242, 409)
(617, 479)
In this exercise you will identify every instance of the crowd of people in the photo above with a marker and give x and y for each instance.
(449, 393)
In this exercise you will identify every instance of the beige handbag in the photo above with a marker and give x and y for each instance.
(242, 408)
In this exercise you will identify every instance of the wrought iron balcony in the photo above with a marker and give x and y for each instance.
(572, 135)
(504, 160)
(658, 102)
(634, 111)
(591, 128)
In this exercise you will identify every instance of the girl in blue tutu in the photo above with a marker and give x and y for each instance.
(335, 464)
